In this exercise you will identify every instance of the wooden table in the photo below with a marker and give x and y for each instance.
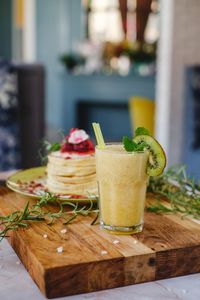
(16, 284)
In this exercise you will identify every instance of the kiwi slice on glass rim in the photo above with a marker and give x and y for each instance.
(157, 157)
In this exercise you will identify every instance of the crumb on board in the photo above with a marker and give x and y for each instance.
(115, 242)
(60, 249)
(45, 236)
(103, 252)
(64, 230)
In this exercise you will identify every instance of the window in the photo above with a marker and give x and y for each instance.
(104, 21)
(116, 20)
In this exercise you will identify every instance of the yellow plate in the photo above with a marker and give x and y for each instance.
(32, 183)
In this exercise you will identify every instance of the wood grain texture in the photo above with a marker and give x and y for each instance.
(167, 247)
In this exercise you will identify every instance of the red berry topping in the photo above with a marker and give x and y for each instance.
(85, 146)
(66, 147)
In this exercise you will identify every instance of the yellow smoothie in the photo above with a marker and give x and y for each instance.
(122, 183)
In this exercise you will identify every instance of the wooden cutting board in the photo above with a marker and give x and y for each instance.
(91, 260)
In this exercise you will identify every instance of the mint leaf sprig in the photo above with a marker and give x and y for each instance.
(131, 146)
(141, 131)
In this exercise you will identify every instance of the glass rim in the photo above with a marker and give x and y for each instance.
(120, 153)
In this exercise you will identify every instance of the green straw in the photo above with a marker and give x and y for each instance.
(98, 135)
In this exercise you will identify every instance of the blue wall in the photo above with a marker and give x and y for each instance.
(113, 89)
(5, 28)
(190, 156)
(58, 28)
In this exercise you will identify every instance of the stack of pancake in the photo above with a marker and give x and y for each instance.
(73, 176)
(71, 170)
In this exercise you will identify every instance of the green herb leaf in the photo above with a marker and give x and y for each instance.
(54, 147)
(95, 219)
(129, 145)
(159, 208)
(70, 219)
(141, 131)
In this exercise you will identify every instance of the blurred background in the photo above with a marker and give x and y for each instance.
(123, 63)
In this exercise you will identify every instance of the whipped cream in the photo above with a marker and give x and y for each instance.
(77, 136)
(70, 155)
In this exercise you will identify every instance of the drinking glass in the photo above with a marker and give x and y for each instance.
(122, 183)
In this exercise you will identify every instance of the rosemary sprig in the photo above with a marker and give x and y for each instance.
(181, 193)
(42, 212)
(84, 211)
(47, 147)
(17, 219)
